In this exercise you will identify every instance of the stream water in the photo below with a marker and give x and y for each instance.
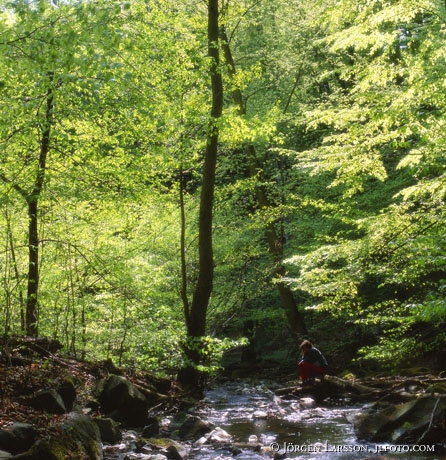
(300, 429)
(264, 426)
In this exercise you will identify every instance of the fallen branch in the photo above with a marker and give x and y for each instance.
(430, 423)
(347, 384)
(330, 381)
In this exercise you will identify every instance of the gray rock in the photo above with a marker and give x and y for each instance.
(109, 430)
(218, 435)
(86, 433)
(405, 423)
(144, 456)
(193, 428)
(48, 401)
(169, 448)
(122, 401)
(173, 453)
(306, 403)
(18, 437)
(67, 391)
(151, 429)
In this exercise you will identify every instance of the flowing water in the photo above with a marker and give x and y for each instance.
(264, 426)
(299, 429)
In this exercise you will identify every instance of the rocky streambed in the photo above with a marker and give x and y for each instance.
(249, 421)
(67, 410)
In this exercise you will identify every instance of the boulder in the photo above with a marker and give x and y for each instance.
(307, 403)
(109, 430)
(169, 448)
(415, 421)
(48, 401)
(193, 428)
(152, 428)
(18, 437)
(67, 392)
(79, 439)
(123, 401)
(46, 449)
(85, 433)
(173, 453)
(177, 421)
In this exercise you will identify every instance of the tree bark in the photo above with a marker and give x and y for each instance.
(183, 289)
(32, 200)
(275, 240)
(195, 316)
(33, 269)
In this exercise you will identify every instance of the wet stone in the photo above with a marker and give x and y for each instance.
(140, 456)
(219, 435)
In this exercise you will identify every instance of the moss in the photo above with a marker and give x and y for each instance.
(48, 449)
(160, 442)
(58, 449)
(163, 443)
(347, 375)
(438, 387)
(92, 450)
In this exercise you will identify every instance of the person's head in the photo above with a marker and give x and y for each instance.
(306, 346)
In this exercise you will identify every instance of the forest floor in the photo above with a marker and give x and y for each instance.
(19, 381)
(21, 378)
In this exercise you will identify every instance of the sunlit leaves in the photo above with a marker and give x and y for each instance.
(345, 104)
(379, 140)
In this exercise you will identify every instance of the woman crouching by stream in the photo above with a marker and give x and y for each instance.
(313, 363)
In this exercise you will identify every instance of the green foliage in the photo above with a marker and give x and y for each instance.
(345, 107)
(381, 142)
(211, 351)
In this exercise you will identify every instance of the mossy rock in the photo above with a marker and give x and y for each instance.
(79, 439)
(163, 443)
(438, 387)
(169, 447)
(51, 449)
(406, 422)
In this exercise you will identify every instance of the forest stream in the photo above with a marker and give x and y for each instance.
(262, 425)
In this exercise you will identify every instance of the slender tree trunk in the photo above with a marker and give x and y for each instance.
(32, 200)
(274, 238)
(33, 269)
(11, 248)
(183, 290)
(195, 316)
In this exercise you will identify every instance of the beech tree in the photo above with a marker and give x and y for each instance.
(48, 75)
(273, 232)
(377, 129)
(144, 216)
(27, 128)
(195, 314)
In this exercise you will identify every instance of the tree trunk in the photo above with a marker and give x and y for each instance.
(10, 246)
(275, 240)
(33, 269)
(195, 316)
(32, 200)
